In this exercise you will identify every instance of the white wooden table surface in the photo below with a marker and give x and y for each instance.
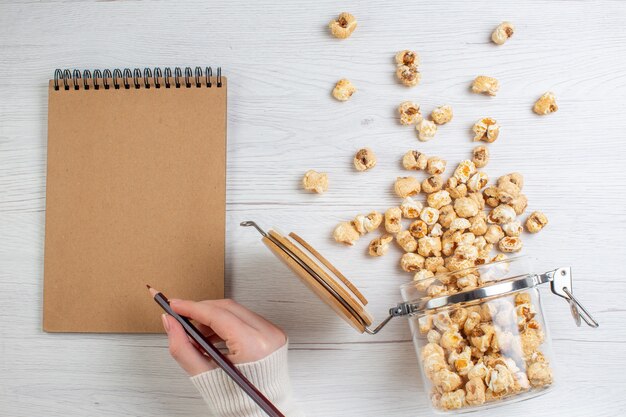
(281, 65)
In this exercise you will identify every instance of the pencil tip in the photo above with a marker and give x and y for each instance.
(148, 286)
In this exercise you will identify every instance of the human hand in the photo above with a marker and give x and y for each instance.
(248, 336)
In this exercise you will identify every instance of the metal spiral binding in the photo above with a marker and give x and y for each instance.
(136, 78)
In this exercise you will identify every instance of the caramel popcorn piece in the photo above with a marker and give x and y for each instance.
(433, 263)
(494, 234)
(315, 181)
(466, 207)
(343, 90)
(409, 113)
(343, 27)
(464, 171)
(480, 156)
(500, 379)
(432, 184)
(426, 130)
(447, 381)
(418, 229)
(429, 246)
(429, 215)
(536, 221)
(475, 391)
(519, 204)
(346, 233)
(411, 209)
(407, 186)
(502, 33)
(539, 374)
(486, 129)
(442, 114)
(380, 245)
(478, 181)
(406, 241)
(393, 220)
(365, 224)
(436, 165)
(546, 104)
(364, 159)
(446, 215)
(438, 199)
(513, 229)
(485, 85)
(411, 262)
(414, 160)
(501, 214)
(451, 400)
(407, 57)
(408, 75)
(510, 244)
(451, 339)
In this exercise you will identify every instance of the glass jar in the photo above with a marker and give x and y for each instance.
(484, 346)
(486, 349)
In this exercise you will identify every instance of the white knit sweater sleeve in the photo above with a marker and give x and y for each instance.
(270, 375)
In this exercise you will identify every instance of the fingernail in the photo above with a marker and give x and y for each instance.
(174, 300)
(166, 324)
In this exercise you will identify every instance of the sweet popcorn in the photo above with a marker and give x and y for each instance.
(439, 199)
(425, 324)
(466, 207)
(464, 171)
(477, 181)
(409, 113)
(432, 184)
(429, 215)
(475, 391)
(514, 177)
(407, 57)
(426, 130)
(459, 316)
(522, 298)
(501, 214)
(531, 339)
(436, 289)
(343, 90)
(446, 380)
(462, 362)
(418, 229)
(414, 160)
(519, 204)
(478, 224)
(429, 246)
(407, 186)
(406, 241)
(460, 224)
(473, 320)
(346, 233)
(411, 209)
(433, 263)
(446, 215)
(480, 156)
(455, 189)
(408, 75)
(411, 262)
(546, 104)
(380, 245)
(491, 196)
(315, 181)
(466, 251)
(343, 27)
(435, 230)
(451, 400)
(485, 85)
(423, 279)
(513, 228)
(442, 114)
(436, 165)
(467, 282)
(536, 221)
(365, 224)
(364, 159)
(486, 129)
(433, 336)
(539, 374)
(494, 234)
(502, 33)
(481, 336)
(393, 220)
(451, 339)
(500, 379)
(442, 321)
(510, 244)
(507, 191)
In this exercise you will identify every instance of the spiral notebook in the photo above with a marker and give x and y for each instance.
(135, 195)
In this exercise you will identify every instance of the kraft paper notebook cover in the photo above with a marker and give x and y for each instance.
(135, 194)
